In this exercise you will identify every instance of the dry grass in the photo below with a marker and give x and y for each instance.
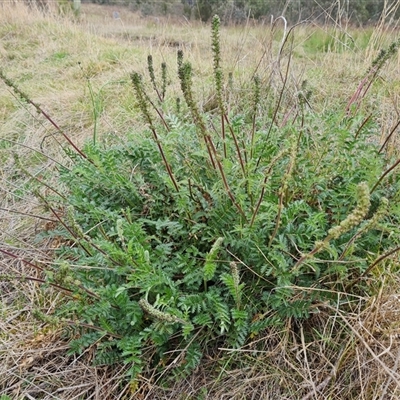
(335, 355)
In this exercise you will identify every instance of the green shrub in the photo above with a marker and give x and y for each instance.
(213, 226)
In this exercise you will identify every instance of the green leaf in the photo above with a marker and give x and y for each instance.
(210, 265)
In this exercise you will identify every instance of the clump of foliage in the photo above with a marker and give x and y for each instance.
(216, 225)
(357, 12)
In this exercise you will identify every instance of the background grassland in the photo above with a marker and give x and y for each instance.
(78, 71)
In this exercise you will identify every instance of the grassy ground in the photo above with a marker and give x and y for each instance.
(78, 71)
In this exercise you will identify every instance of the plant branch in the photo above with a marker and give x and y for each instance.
(384, 175)
(40, 110)
(372, 266)
(143, 100)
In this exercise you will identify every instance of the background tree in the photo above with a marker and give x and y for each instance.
(358, 12)
(205, 9)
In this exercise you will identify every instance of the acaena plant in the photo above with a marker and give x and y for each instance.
(212, 226)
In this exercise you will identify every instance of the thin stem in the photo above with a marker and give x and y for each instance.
(278, 219)
(225, 182)
(362, 126)
(276, 110)
(267, 175)
(236, 146)
(40, 280)
(35, 150)
(78, 239)
(385, 173)
(159, 114)
(95, 110)
(28, 215)
(59, 287)
(372, 266)
(35, 178)
(94, 327)
(283, 189)
(21, 259)
(185, 73)
(143, 101)
(223, 134)
(389, 136)
(40, 110)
